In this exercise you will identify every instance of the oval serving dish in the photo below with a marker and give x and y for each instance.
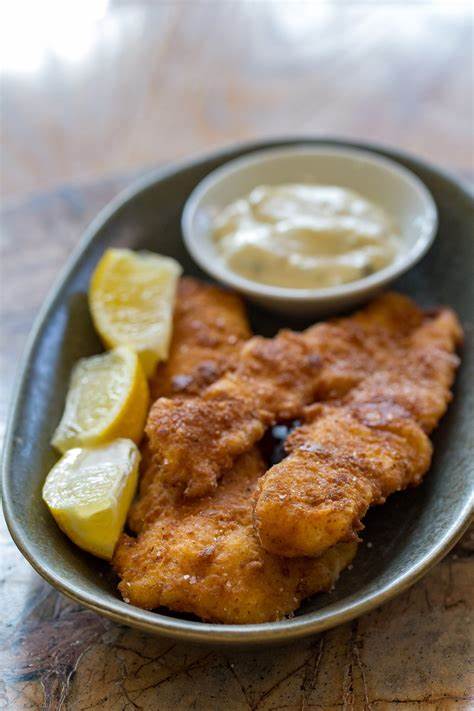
(409, 534)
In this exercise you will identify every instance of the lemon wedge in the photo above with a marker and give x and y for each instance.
(131, 298)
(89, 492)
(107, 398)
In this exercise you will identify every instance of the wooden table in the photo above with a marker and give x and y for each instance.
(151, 82)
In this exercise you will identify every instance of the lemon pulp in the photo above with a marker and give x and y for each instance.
(89, 492)
(107, 398)
(131, 298)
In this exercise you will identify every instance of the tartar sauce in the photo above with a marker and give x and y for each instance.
(305, 236)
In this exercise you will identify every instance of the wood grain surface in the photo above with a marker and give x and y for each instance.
(151, 82)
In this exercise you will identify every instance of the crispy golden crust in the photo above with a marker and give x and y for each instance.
(203, 557)
(352, 454)
(209, 326)
(350, 348)
(384, 375)
(420, 375)
(197, 440)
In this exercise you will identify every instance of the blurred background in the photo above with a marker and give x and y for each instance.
(93, 88)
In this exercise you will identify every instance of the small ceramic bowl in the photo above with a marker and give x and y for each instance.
(386, 183)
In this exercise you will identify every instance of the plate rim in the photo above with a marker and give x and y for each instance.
(282, 631)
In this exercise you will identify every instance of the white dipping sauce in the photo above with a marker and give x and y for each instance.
(305, 236)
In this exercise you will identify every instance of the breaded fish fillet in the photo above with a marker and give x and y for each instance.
(196, 440)
(352, 454)
(203, 557)
(209, 327)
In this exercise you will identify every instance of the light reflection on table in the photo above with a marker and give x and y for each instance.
(92, 88)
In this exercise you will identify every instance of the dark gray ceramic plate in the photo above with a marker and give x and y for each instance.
(410, 533)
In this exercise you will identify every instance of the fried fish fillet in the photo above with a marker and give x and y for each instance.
(203, 557)
(196, 440)
(209, 327)
(354, 453)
